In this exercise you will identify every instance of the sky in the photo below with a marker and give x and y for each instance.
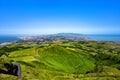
(59, 16)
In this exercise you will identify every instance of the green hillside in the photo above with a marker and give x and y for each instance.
(61, 59)
(64, 61)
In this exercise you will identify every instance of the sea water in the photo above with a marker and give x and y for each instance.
(115, 38)
(8, 38)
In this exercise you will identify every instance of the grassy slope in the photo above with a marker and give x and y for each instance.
(66, 60)
(57, 63)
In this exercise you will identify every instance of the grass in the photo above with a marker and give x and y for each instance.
(58, 62)
(23, 52)
(25, 58)
(61, 59)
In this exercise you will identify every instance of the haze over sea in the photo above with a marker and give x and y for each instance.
(96, 37)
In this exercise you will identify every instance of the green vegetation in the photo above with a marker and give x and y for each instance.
(83, 60)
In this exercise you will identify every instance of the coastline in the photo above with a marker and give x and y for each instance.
(9, 39)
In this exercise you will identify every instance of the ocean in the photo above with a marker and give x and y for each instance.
(115, 38)
(8, 38)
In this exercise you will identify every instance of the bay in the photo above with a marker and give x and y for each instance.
(8, 38)
(115, 38)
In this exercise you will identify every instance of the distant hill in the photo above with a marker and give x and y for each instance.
(69, 35)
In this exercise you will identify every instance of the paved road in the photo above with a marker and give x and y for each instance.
(18, 70)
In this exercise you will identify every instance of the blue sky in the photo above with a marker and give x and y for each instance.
(56, 16)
